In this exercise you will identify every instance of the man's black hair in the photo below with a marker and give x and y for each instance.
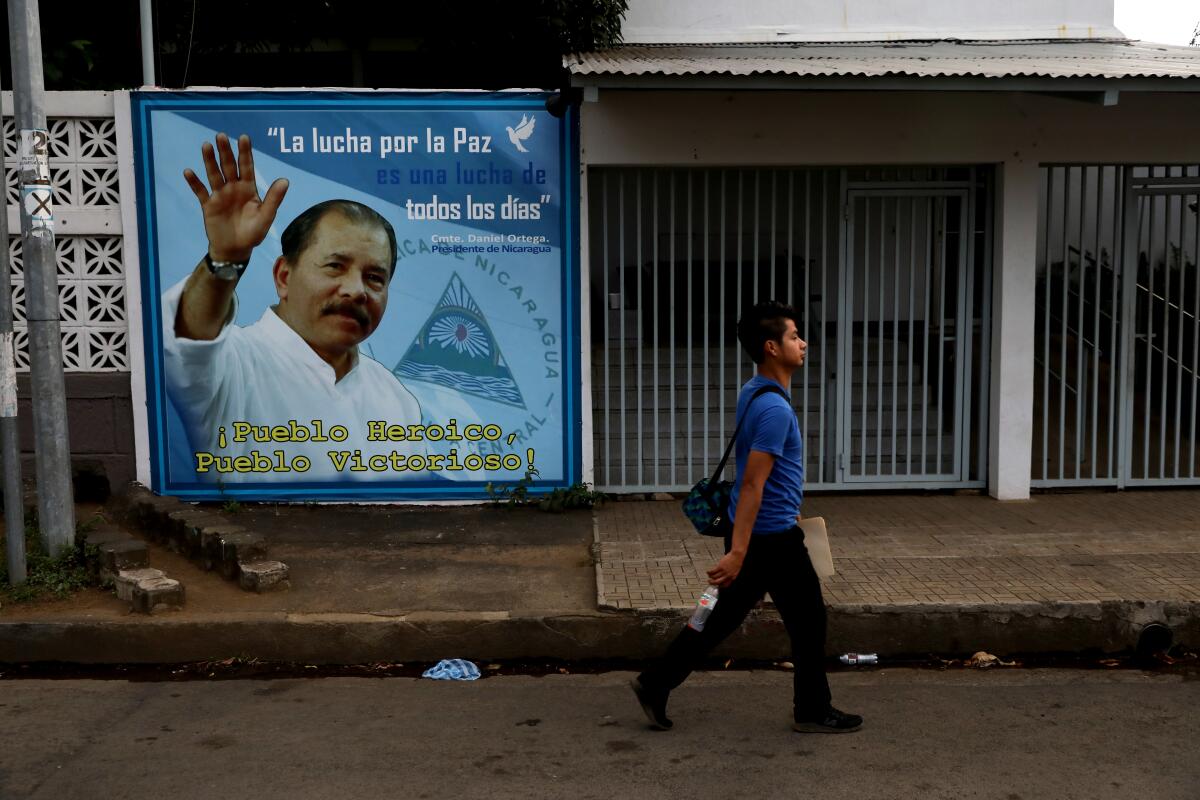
(764, 323)
(297, 236)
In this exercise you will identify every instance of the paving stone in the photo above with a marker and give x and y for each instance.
(101, 535)
(152, 595)
(127, 579)
(210, 542)
(263, 576)
(190, 524)
(123, 555)
(238, 547)
(940, 549)
(152, 515)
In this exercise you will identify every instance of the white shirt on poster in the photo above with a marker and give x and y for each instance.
(265, 374)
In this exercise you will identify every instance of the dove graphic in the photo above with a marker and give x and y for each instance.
(522, 132)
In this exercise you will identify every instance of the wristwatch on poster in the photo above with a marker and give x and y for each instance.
(225, 270)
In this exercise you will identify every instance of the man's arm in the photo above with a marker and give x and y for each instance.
(754, 478)
(236, 221)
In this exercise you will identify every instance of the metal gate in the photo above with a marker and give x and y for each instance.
(885, 266)
(906, 347)
(1117, 350)
(1163, 240)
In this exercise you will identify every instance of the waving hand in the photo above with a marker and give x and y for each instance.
(235, 218)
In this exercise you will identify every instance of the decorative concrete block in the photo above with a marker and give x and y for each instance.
(101, 535)
(125, 554)
(210, 542)
(153, 595)
(127, 579)
(238, 547)
(151, 514)
(263, 576)
(190, 524)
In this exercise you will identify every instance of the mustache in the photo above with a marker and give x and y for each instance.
(350, 309)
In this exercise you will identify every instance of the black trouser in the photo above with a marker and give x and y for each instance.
(777, 563)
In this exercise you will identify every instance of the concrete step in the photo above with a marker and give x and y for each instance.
(263, 576)
(123, 555)
(149, 591)
(123, 560)
(209, 538)
(115, 549)
(155, 594)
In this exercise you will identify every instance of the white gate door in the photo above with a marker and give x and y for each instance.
(905, 336)
(1161, 296)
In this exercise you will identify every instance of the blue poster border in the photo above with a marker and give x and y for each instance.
(141, 106)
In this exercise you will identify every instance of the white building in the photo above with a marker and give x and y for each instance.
(986, 213)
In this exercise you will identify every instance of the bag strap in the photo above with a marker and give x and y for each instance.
(737, 429)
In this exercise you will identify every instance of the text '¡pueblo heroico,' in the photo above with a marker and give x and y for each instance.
(377, 431)
(355, 461)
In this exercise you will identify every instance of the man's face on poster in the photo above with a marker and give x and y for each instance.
(335, 294)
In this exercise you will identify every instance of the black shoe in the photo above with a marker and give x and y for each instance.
(832, 721)
(654, 704)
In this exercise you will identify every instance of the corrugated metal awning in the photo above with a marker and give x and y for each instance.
(1105, 60)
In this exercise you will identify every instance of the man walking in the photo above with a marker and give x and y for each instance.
(765, 551)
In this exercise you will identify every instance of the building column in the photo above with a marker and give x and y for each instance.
(1014, 293)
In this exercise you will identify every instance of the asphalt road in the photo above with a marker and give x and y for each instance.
(1009, 735)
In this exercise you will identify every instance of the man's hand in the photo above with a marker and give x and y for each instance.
(754, 476)
(236, 222)
(726, 569)
(235, 218)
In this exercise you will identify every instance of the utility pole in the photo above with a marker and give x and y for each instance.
(147, 20)
(56, 502)
(10, 446)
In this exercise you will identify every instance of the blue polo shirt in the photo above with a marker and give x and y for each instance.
(771, 427)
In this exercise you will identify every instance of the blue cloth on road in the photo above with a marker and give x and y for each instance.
(452, 669)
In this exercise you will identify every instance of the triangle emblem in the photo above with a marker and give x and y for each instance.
(455, 348)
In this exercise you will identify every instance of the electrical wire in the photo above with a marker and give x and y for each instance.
(188, 61)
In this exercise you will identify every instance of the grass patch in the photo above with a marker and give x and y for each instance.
(577, 495)
(46, 577)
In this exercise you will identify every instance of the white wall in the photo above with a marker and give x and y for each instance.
(1015, 131)
(858, 20)
(839, 128)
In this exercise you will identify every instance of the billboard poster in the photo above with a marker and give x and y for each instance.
(357, 296)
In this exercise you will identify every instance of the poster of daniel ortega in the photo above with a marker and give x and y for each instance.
(357, 296)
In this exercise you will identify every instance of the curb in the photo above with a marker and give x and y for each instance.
(1108, 627)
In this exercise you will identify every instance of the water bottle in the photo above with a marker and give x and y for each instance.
(704, 607)
(859, 658)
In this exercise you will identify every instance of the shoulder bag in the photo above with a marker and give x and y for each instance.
(707, 504)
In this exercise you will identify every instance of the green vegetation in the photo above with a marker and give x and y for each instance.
(229, 505)
(461, 44)
(514, 495)
(46, 577)
(577, 495)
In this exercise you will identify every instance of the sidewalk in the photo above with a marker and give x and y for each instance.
(915, 574)
(905, 550)
(1059, 572)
